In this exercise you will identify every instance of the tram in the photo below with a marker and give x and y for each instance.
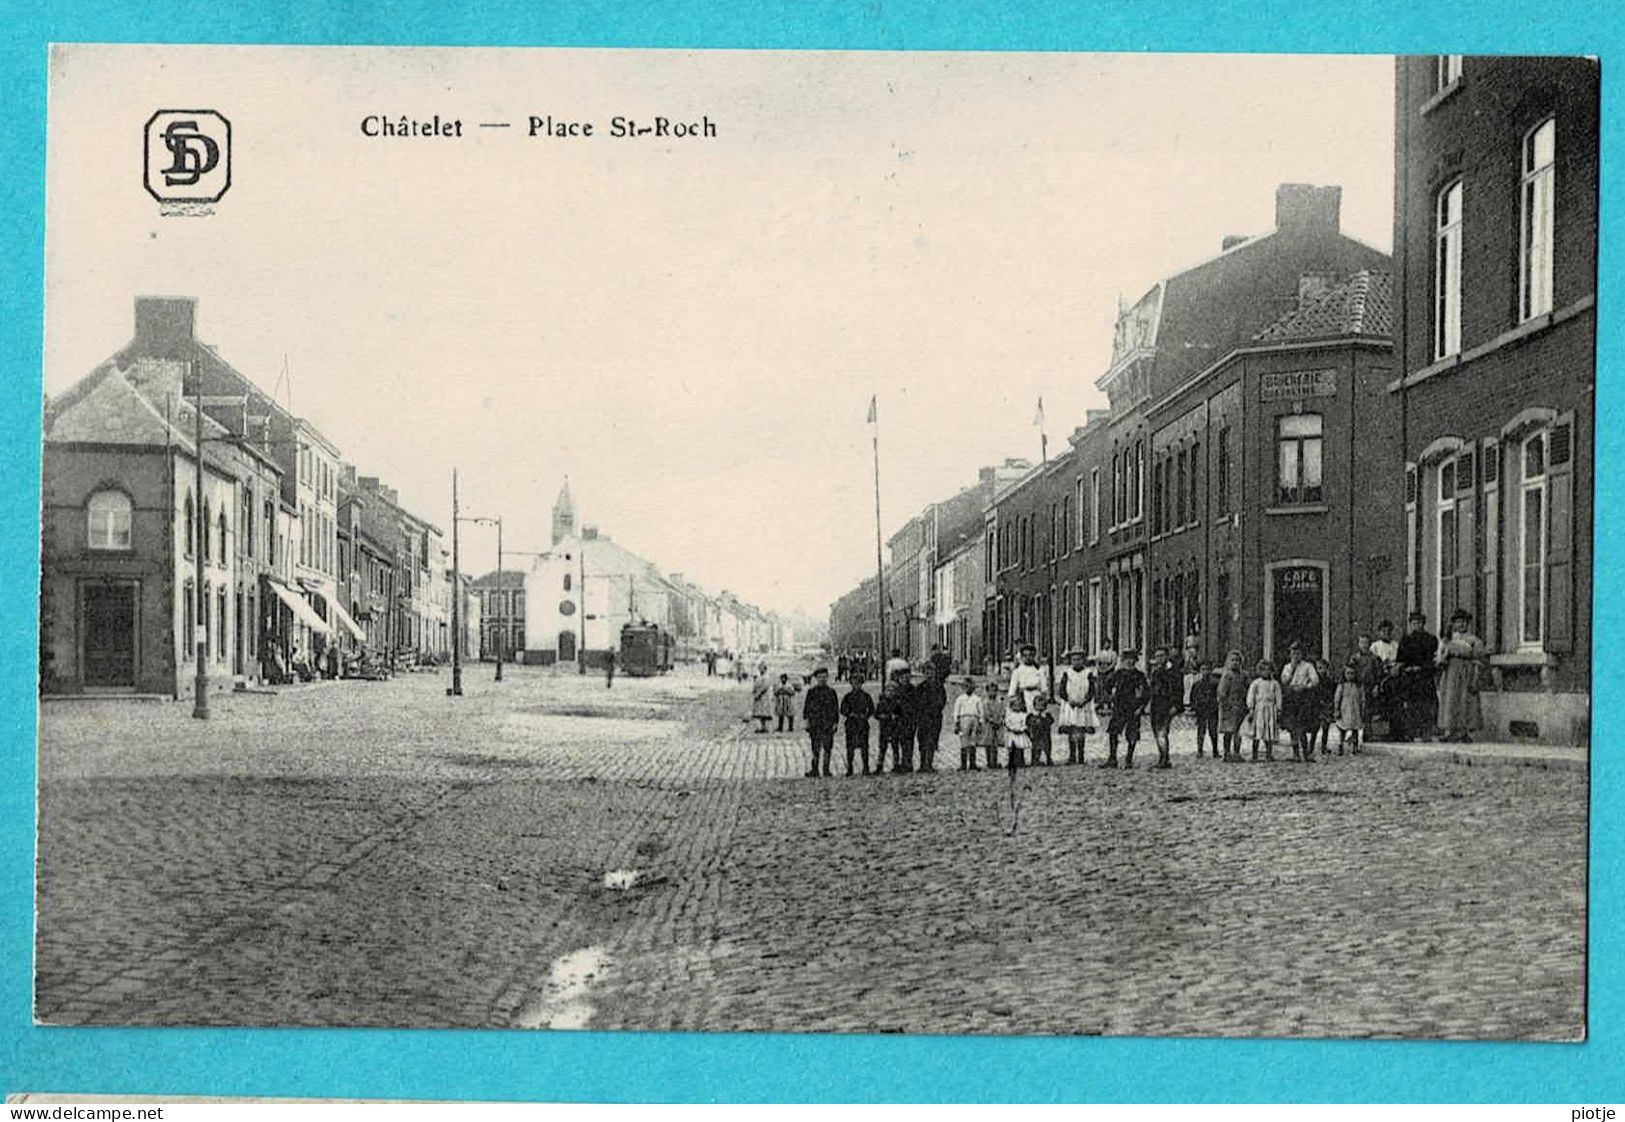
(646, 650)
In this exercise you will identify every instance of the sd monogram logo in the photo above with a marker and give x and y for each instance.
(188, 156)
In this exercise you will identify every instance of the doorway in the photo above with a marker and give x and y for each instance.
(567, 646)
(1297, 608)
(107, 622)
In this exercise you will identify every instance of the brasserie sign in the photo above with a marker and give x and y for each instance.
(1298, 383)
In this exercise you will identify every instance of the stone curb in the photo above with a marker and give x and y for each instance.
(1470, 755)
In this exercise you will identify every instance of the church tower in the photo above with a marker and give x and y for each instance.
(564, 514)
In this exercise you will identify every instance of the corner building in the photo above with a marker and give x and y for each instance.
(1495, 236)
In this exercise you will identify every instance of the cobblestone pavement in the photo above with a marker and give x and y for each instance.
(548, 853)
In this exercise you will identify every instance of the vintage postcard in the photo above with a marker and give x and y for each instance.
(817, 542)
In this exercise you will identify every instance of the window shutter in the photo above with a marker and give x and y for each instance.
(1560, 538)
(1491, 463)
(1410, 485)
(1466, 555)
(1464, 470)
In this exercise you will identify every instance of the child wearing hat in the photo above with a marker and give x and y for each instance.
(968, 718)
(1127, 692)
(856, 709)
(1076, 690)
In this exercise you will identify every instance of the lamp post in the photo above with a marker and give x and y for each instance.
(200, 634)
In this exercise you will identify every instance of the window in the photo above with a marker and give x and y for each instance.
(1195, 507)
(1139, 478)
(220, 557)
(1532, 542)
(1535, 238)
(1117, 490)
(1223, 470)
(245, 519)
(1446, 71)
(1449, 545)
(1299, 447)
(108, 520)
(220, 625)
(566, 582)
(270, 531)
(1094, 505)
(1093, 631)
(188, 619)
(1156, 496)
(1447, 272)
(1179, 490)
(203, 531)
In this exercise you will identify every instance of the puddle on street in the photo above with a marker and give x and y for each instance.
(563, 1002)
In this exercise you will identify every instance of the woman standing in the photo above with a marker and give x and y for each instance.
(761, 699)
(1459, 657)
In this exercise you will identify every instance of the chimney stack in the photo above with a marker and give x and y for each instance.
(1233, 240)
(1305, 208)
(165, 326)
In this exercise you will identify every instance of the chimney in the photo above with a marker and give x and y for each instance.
(589, 533)
(1233, 240)
(1094, 415)
(165, 326)
(1305, 208)
(984, 475)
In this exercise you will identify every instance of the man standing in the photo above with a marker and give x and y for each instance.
(821, 710)
(942, 662)
(930, 698)
(1300, 683)
(1418, 703)
(1167, 690)
(842, 667)
(609, 669)
(1126, 692)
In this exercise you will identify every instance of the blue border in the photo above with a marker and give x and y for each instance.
(596, 1066)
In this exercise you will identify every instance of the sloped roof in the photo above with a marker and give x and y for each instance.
(104, 408)
(1361, 305)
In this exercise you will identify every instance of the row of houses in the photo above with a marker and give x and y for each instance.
(570, 602)
(1306, 437)
(293, 553)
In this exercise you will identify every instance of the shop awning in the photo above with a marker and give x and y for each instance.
(302, 611)
(349, 624)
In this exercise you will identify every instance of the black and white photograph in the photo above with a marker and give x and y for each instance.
(817, 542)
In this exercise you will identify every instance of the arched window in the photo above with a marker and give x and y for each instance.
(220, 618)
(221, 556)
(205, 529)
(108, 518)
(566, 582)
(189, 517)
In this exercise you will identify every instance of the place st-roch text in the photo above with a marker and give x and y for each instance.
(436, 127)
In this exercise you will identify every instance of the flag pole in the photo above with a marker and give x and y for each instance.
(880, 567)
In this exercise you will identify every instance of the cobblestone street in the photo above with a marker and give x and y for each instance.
(547, 853)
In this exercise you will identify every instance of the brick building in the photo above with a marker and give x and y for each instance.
(1273, 486)
(1495, 236)
(1089, 508)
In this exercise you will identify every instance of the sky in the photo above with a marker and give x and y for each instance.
(691, 330)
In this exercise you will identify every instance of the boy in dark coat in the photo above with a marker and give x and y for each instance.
(929, 701)
(890, 713)
(903, 726)
(856, 708)
(1167, 700)
(1126, 693)
(1205, 707)
(821, 710)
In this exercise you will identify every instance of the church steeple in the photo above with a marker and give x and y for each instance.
(564, 513)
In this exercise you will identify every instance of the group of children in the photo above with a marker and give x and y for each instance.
(1230, 707)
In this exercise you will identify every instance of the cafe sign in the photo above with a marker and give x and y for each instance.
(1298, 384)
